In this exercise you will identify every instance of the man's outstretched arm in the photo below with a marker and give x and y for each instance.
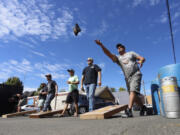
(106, 51)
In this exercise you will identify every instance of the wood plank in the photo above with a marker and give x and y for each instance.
(18, 113)
(45, 114)
(104, 113)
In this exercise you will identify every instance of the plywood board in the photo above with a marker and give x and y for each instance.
(104, 113)
(18, 114)
(104, 93)
(45, 114)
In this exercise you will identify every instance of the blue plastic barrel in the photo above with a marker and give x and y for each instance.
(155, 96)
(167, 71)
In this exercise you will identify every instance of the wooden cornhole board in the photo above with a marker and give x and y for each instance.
(18, 114)
(104, 113)
(45, 114)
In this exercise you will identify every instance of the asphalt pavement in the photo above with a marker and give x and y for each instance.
(146, 125)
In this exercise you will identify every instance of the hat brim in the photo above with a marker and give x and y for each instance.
(70, 70)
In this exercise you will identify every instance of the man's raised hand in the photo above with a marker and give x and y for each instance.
(98, 42)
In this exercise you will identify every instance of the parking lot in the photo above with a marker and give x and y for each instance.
(149, 125)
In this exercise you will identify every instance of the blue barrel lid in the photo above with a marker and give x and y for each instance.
(170, 70)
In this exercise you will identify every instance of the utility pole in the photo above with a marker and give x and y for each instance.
(144, 92)
(171, 32)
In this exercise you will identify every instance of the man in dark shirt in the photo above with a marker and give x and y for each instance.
(22, 101)
(14, 100)
(89, 78)
(42, 96)
(52, 91)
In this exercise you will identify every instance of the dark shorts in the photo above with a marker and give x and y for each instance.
(72, 97)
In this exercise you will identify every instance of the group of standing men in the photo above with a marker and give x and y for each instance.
(130, 63)
(91, 76)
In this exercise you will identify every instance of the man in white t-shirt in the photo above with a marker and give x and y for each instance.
(130, 63)
(73, 95)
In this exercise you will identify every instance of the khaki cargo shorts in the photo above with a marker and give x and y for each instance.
(134, 82)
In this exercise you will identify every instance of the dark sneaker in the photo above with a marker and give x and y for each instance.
(143, 110)
(128, 113)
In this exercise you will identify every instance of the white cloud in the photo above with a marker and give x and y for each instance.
(38, 53)
(163, 18)
(176, 15)
(25, 67)
(81, 65)
(102, 65)
(174, 5)
(154, 2)
(14, 62)
(59, 76)
(4, 75)
(141, 2)
(26, 62)
(34, 18)
(52, 54)
(54, 75)
(14, 68)
(137, 2)
(29, 89)
(47, 67)
(102, 28)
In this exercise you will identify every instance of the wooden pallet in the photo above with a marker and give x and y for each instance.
(18, 113)
(104, 113)
(45, 114)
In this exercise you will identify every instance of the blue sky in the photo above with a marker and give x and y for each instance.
(36, 37)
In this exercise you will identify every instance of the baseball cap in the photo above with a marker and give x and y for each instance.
(91, 59)
(48, 75)
(70, 70)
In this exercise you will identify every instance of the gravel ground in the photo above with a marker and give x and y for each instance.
(147, 125)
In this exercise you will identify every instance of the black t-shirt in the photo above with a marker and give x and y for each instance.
(24, 96)
(90, 74)
(15, 98)
(41, 96)
(51, 87)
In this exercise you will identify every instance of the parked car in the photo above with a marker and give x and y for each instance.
(83, 104)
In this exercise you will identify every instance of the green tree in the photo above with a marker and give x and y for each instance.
(62, 90)
(14, 81)
(112, 89)
(122, 89)
(36, 93)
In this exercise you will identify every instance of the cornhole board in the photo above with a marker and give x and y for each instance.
(104, 93)
(18, 113)
(45, 114)
(104, 113)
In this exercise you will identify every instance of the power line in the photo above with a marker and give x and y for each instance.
(172, 37)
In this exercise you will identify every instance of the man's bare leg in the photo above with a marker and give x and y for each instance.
(132, 97)
(65, 108)
(139, 102)
(128, 112)
(19, 109)
(76, 108)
